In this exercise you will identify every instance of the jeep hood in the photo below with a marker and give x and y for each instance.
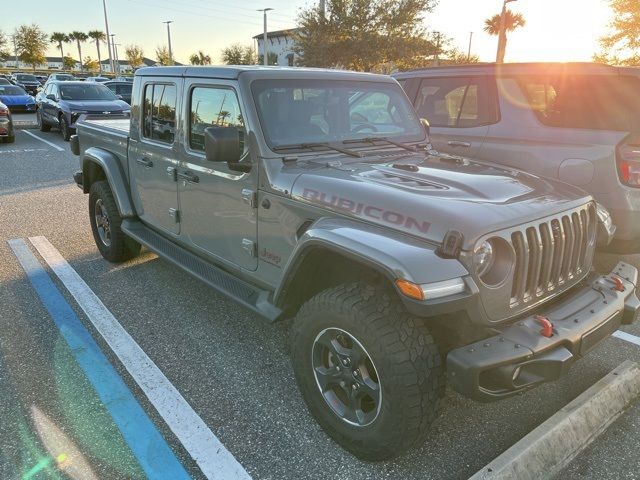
(427, 196)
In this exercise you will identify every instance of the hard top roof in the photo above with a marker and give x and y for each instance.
(514, 68)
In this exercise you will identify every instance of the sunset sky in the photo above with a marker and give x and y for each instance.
(556, 30)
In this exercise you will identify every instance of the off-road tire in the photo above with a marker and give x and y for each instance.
(405, 356)
(42, 125)
(121, 247)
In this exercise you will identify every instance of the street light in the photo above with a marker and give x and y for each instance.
(169, 22)
(265, 59)
(116, 62)
(106, 26)
(502, 34)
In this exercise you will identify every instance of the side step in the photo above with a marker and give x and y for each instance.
(239, 290)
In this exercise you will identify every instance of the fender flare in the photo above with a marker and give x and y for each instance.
(393, 254)
(112, 168)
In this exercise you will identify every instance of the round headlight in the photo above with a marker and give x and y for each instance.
(483, 258)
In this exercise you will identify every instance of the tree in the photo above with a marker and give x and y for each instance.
(456, 57)
(272, 59)
(238, 54)
(79, 37)
(68, 63)
(4, 52)
(31, 44)
(98, 36)
(512, 21)
(135, 56)
(199, 58)
(91, 65)
(162, 56)
(60, 38)
(362, 34)
(622, 45)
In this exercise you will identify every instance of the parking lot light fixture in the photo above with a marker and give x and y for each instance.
(265, 53)
(169, 22)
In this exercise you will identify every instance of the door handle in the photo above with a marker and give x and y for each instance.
(456, 143)
(189, 177)
(145, 162)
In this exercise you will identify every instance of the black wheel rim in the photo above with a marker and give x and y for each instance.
(346, 377)
(103, 225)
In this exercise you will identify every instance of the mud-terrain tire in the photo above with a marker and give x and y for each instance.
(403, 357)
(113, 244)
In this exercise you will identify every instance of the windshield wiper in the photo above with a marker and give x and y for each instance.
(310, 146)
(372, 140)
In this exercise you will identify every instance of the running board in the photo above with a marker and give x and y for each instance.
(242, 292)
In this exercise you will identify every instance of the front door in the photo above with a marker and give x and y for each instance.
(153, 159)
(218, 214)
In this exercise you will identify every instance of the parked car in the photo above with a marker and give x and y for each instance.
(313, 195)
(62, 103)
(7, 134)
(97, 79)
(61, 77)
(16, 98)
(579, 123)
(8, 78)
(42, 79)
(125, 79)
(27, 81)
(4, 81)
(122, 89)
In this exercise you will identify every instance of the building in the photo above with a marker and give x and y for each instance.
(125, 67)
(52, 63)
(280, 42)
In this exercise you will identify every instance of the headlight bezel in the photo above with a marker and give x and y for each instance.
(499, 261)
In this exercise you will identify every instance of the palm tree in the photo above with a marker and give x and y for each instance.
(59, 38)
(200, 58)
(512, 21)
(98, 36)
(79, 37)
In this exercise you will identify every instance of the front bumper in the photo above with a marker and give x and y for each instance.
(519, 357)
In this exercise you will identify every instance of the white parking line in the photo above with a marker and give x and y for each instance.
(627, 336)
(51, 144)
(215, 461)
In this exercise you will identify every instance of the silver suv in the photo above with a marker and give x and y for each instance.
(577, 122)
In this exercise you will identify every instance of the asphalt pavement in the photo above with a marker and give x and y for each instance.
(231, 367)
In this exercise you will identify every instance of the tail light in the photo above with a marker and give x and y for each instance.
(4, 112)
(628, 160)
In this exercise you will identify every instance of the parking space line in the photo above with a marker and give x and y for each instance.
(215, 461)
(627, 336)
(153, 453)
(51, 144)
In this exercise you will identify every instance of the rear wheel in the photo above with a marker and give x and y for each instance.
(105, 221)
(64, 128)
(10, 139)
(44, 127)
(369, 372)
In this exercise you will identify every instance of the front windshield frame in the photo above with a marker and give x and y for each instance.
(12, 90)
(416, 134)
(108, 95)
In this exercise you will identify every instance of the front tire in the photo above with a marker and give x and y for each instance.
(105, 221)
(65, 129)
(44, 127)
(370, 372)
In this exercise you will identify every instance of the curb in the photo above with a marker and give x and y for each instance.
(550, 447)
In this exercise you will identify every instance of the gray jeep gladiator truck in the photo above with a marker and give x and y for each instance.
(315, 195)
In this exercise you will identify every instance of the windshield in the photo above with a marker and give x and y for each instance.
(26, 78)
(86, 92)
(310, 111)
(11, 90)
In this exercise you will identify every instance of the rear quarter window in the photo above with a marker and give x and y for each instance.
(594, 102)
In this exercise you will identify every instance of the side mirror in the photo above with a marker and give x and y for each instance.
(119, 97)
(222, 144)
(51, 96)
(427, 127)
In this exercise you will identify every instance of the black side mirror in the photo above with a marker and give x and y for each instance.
(51, 96)
(223, 144)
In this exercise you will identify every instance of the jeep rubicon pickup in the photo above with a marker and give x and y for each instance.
(315, 195)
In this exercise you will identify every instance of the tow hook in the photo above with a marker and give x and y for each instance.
(617, 282)
(547, 326)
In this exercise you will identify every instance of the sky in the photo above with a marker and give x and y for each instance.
(556, 30)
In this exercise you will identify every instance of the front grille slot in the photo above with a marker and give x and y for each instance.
(553, 253)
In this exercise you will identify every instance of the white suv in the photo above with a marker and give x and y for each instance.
(577, 122)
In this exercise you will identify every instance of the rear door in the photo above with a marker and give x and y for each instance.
(459, 110)
(153, 157)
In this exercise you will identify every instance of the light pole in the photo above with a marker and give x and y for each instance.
(469, 51)
(169, 22)
(116, 63)
(502, 34)
(265, 53)
(106, 26)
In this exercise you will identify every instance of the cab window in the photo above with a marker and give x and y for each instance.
(212, 107)
(159, 112)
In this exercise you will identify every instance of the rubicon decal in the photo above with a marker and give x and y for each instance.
(364, 210)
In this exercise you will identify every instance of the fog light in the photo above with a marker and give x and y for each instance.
(516, 374)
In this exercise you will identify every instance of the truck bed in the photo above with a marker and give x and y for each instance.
(110, 134)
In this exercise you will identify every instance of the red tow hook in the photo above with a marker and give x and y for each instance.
(618, 285)
(547, 326)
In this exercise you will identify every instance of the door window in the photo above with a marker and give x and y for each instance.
(159, 112)
(213, 107)
(456, 102)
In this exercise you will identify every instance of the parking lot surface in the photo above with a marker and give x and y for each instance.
(231, 368)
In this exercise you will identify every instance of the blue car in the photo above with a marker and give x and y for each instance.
(61, 104)
(17, 99)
